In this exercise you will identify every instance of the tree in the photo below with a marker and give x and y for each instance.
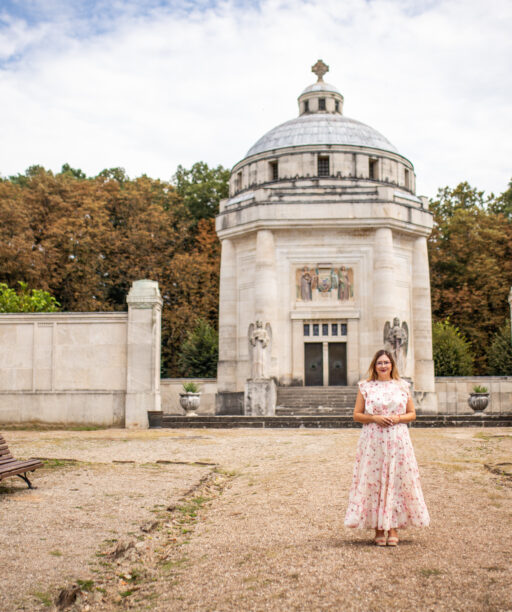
(451, 350)
(499, 354)
(26, 300)
(85, 240)
(470, 253)
(202, 188)
(200, 351)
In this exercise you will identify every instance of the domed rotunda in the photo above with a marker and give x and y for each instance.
(324, 252)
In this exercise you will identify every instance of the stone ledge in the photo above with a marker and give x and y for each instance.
(162, 420)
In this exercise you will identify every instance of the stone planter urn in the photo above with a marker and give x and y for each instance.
(478, 400)
(190, 398)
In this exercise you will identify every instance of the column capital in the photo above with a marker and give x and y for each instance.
(144, 294)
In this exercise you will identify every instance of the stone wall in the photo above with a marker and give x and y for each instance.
(453, 391)
(90, 368)
(170, 389)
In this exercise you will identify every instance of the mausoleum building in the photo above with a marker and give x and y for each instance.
(324, 254)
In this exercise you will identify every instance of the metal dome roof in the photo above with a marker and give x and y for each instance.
(321, 129)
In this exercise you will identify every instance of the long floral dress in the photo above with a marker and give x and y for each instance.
(386, 491)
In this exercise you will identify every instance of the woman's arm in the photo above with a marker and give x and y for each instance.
(361, 417)
(410, 413)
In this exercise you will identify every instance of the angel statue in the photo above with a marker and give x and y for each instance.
(260, 345)
(396, 341)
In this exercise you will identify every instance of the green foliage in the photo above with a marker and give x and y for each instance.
(191, 387)
(502, 205)
(452, 352)
(499, 354)
(470, 253)
(199, 352)
(74, 172)
(479, 389)
(24, 300)
(202, 188)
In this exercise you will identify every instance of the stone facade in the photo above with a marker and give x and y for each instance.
(324, 238)
(92, 368)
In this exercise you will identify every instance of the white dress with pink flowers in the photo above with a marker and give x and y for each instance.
(386, 491)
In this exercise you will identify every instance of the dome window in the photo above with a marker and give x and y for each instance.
(274, 170)
(323, 165)
(407, 179)
(306, 106)
(336, 106)
(321, 104)
(238, 181)
(373, 168)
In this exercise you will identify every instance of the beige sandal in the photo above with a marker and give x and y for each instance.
(380, 540)
(393, 541)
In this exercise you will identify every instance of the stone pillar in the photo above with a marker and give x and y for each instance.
(265, 288)
(226, 371)
(424, 381)
(383, 285)
(265, 282)
(260, 393)
(143, 353)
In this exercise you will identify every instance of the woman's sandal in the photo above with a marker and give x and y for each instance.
(393, 541)
(380, 540)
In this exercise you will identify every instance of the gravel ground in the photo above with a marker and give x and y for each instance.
(258, 525)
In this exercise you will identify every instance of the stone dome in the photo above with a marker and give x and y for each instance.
(321, 122)
(321, 129)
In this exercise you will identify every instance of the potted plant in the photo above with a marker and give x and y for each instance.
(190, 398)
(479, 399)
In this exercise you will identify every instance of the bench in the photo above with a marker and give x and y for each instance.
(9, 466)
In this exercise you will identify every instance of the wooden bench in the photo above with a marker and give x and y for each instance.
(9, 466)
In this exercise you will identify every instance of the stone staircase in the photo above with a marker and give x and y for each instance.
(315, 401)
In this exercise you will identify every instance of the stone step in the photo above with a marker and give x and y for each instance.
(315, 400)
(162, 420)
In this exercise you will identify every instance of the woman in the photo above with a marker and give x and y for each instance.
(386, 493)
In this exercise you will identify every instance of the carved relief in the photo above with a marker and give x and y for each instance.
(316, 282)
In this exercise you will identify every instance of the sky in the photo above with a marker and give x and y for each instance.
(150, 84)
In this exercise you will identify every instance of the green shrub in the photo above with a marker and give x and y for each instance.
(480, 389)
(499, 353)
(25, 300)
(452, 352)
(200, 351)
(190, 387)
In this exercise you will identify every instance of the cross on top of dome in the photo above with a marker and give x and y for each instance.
(320, 68)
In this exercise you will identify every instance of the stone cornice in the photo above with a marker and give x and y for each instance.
(63, 317)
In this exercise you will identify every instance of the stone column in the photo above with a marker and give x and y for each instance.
(265, 289)
(383, 285)
(226, 371)
(260, 394)
(424, 381)
(143, 353)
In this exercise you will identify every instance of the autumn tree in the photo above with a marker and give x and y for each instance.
(86, 239)
(470, 252)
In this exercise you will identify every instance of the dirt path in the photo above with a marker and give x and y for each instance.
(260, 530)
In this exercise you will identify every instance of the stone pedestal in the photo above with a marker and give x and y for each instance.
(260, 397)
(143, 353)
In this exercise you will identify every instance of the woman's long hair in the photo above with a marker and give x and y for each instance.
(372, 370)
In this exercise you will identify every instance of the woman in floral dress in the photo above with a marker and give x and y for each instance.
(386, 493)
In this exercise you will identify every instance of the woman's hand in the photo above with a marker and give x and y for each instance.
(385, 420)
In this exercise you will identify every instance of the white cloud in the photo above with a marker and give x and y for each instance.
(149, 90)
